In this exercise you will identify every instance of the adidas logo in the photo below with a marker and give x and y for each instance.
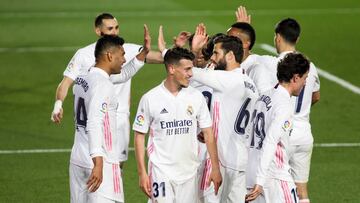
(124, 152)
(164, 111)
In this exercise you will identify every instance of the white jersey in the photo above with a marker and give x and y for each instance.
(173, 120)
(234, 95)
(269, 145)
(301, 134)
(84, 59)
(95, 106)
(258, 73)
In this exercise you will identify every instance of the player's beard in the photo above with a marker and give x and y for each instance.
(221, 65)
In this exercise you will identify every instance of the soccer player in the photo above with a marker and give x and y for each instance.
(254, 69)
(272, 125)
(287, 34)
(94, 164)
(173, 111)
(234, 95)
(106, 24)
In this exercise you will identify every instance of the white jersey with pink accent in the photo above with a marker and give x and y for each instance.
(173, 120)
(233, 98)
(95, 106)
(269, 144)
(301, 134)
(84, 59)
(258, 73)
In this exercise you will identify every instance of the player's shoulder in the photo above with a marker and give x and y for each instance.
(89, 49)
(193, 92)
(131, 47)
(153, 93)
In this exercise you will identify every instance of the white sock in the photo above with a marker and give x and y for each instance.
(304, 201)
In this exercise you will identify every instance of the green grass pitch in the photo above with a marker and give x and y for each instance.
(29, 77)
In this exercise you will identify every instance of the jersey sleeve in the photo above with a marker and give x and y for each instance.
(261, 78)
(215, 79)
(317, 80)
(96, 119)
(203, 117)
(128, 71)
(142, 118)
(280, 126)
(73, 68)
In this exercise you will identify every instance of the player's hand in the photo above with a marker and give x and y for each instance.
(181, 39)
(147, 39)
(57, 113)
(95, 178)
(200, 38)
(161, 40)
(242, 16)
(201, 137)
(144, 183)
(255, 192)
(216, 178)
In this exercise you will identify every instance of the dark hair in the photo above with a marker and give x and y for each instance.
(289, 29)
(291, 64)
(208, 50)
(106, 43)
(231, 43)
(174, 55)
(101, 17)
(247, 29)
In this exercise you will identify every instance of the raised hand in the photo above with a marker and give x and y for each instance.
(200, 38)
(242, 16)
(161, 40)
(181, 39)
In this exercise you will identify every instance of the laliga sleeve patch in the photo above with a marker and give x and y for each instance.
(287, 126)
(104, 107)
(140, 120)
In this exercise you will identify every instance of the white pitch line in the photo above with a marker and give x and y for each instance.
(42, 151)
(36, 49)
(182, 13)
(323, 73)
(37, 151)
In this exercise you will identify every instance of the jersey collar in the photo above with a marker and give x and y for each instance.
(100, 71)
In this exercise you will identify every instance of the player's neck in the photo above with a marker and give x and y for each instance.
(287, 87)
(232, 65)
(285, 47)
(172, 86)
(246, 54)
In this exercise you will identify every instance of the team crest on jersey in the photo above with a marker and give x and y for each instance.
(190, 110)
(140, 120)
(286, 126)
(104, 107)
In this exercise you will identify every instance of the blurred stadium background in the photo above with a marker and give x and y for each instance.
(38, 38)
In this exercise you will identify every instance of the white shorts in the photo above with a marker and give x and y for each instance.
(164, 190)
(280, 191)
(233, 188)
(206, 193)
(300, 158)
(110, 190)
(123, 129)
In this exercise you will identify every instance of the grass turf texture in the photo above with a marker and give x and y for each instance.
(28, 81)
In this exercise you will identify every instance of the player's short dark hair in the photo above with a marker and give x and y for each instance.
(208, 50)
(106, 43)
(174, 55)
(101, 17)
(289, 29)
(291, 64)
(231, 43)
(247, 29)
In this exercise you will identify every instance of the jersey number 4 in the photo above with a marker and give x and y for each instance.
(81, 116)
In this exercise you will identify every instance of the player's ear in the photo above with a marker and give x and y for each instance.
(230, 56)
(109, 56)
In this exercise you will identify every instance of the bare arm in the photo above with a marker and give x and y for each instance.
(61, 93)
(210, 141)
(315, 97)
(144, 181)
